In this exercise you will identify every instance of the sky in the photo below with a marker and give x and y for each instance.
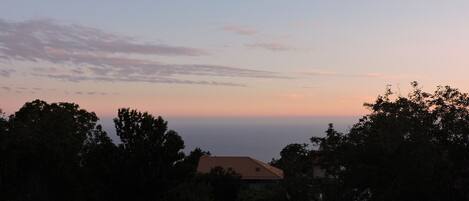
(228, 58)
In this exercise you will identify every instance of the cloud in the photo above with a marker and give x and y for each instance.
(122, 66)
(34, 90)
(249, 31)
(338, 74)
(162, 80)
(272, 46)
(241, 30)
(90, 54)
(29, 40)
(6, 72)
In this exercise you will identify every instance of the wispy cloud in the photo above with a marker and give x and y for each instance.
(272, 46)
(339, 74)
(163, 80)
(122, 66)
(250, 31)
(34, 90)
(240, 29)
(87, 54)
(6, 72)
(29, 40)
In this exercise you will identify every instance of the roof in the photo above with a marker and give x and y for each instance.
(248, 168)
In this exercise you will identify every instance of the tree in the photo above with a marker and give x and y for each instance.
(58, 151)
(150, 152)
(188, 166)
(3, 123)
(272, 192)
(43, 148)
(98, 167)
(3, 143)
(191, 187)
(407, 148)
(191, 190)
(225, 183)
(296, 163)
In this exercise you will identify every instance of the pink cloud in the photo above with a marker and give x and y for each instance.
(91, 54)
(272, 46)
(241, 30)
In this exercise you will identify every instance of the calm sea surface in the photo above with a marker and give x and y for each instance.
(261, 138)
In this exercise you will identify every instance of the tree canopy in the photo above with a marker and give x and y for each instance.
(58, 151)
(413, 147)
(42, 145)
(408, 148)
(151, 153)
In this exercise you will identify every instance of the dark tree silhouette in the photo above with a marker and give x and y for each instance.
(408, 148)
(42, 149)
(3, 151)
(225, 183)
(296, 163)
(188, 166)
(150, 154)
(191, 190)
(272, 192)
(58, 152)
(98, 166)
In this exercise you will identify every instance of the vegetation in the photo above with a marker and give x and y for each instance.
(408, 148)
(58, 152)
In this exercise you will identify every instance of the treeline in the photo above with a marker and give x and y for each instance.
(407, 148)
(58, 152)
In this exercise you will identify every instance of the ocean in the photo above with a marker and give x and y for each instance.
(259, 137)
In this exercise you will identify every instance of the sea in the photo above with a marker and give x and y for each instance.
(261, 138)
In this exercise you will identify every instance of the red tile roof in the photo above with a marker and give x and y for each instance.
(248, 168)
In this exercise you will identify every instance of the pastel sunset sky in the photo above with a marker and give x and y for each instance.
(228, 58)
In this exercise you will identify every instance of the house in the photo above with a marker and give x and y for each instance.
(250, 170)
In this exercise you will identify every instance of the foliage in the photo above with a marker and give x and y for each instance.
(42, 148)
(58, 151)
(268, 192)
(296, 163)
(150, 152)
(192, 190)
(217, 185)
(225, 183)
(188, 165)
(408, 148)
